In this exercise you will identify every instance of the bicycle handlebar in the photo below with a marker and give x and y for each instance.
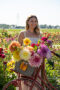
(56, 54)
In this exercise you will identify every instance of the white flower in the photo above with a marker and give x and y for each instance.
(25, 54)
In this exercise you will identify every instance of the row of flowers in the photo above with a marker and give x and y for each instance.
(32, 53)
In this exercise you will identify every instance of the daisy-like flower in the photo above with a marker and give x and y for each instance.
(25, 54)
(14, 45)
(35, 60)
(26, 41)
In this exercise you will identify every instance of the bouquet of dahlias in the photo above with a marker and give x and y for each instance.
(29, 56)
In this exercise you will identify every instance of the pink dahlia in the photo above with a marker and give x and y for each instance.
(44, 38)
(44, 51)
(3, 56)
(33, 44)
(1, 49)
(35, 60)
(32, 53)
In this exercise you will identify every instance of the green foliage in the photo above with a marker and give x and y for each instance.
(50, 30)
(5, 76)
(52, 72)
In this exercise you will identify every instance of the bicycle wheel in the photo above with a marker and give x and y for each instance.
(27, 82)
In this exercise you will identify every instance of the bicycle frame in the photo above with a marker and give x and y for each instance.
(43, 79)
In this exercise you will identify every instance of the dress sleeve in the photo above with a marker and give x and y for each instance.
(21, 37)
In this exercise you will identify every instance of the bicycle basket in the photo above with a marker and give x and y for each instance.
(24, 68)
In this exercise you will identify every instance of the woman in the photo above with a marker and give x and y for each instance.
(32, 32)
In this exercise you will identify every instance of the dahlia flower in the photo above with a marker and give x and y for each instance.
(49, 42)
(35, 60)
(2, 55)
(26, 41)
(16, 55)
(1, 49)
(25, 54)
(14, 45)
(48, 56)
(10, 65)
(33, 44)
(44, 51)
(30, 48)
(44, 38)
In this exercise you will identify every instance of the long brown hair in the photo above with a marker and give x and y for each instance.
(36, 29)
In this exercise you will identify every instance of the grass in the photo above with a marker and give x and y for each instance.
(43, 30)
(50, 30)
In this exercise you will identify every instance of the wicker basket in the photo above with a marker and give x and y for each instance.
(24, 68)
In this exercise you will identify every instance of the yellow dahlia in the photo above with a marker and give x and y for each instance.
(16, 55)
(12, 61)
(10, 65)
(26, 41)
(25, 54)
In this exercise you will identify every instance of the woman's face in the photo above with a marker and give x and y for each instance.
(32, 22)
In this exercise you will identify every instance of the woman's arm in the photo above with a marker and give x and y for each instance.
(21, 37)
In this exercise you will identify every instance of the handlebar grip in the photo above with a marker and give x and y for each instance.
(55, 54)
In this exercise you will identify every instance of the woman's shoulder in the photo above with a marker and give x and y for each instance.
(22, 31)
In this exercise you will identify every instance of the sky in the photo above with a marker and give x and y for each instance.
(17, 11)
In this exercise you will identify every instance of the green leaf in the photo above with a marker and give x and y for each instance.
(35, 48)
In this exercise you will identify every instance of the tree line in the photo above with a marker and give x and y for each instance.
(6, 26)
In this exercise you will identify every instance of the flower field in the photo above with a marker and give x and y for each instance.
(7, 62)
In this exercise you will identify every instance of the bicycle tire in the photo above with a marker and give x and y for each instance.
(14, 82)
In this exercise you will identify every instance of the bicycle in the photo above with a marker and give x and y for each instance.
(31, 81)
